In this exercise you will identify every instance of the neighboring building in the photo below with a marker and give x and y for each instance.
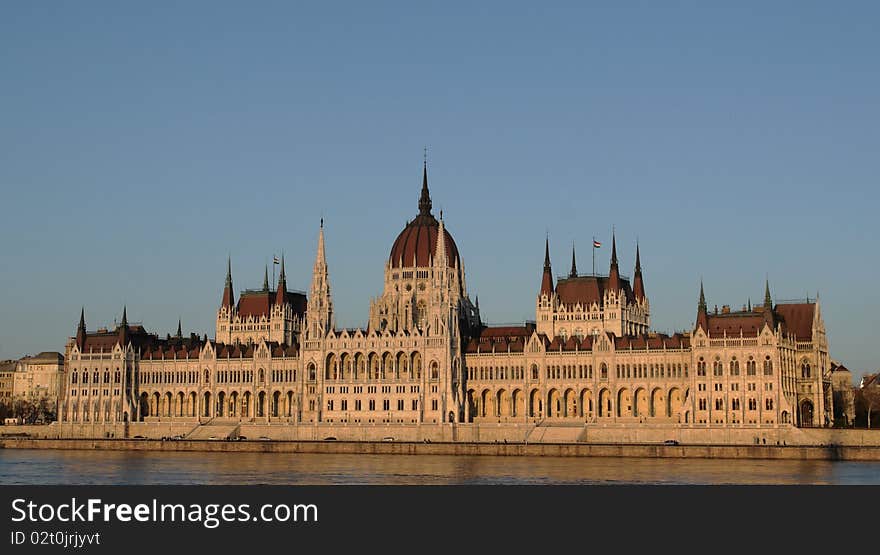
(7, 381)
(425, 355)
(844, 394)
(40, 377)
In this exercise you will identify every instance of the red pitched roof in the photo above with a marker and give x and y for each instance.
(797, 318)
(750, 323)
(586, 290)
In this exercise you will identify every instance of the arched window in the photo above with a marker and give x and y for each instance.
(701, 367)
(106, 376)
(534, 372)
(603, 371)
(734, 367)
(805, 370)
(768, 366)
(95, 377)
(207, 376)
(73, 377)
(717, 367)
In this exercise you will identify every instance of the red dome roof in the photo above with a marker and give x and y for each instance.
(418, 241)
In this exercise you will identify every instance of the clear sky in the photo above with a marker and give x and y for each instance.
(140, 143)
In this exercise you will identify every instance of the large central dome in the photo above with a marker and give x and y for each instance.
(416, 244)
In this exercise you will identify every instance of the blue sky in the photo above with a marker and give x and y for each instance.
(142, 143)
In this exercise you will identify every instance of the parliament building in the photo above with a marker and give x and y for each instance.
(426, 357)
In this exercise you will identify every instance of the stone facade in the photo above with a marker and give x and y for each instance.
(589, 359)
(40, 377)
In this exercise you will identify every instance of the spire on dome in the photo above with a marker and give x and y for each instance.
(425, 199)
(574, 271)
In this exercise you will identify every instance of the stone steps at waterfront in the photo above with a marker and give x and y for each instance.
(556, 434)
(214, 431)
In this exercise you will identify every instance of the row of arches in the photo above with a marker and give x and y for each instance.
(576, 404)
(233, 404)
(96, 410)
(373, 366)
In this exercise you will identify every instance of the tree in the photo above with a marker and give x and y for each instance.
(870, 399)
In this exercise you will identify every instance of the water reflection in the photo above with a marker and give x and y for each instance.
(20, 466)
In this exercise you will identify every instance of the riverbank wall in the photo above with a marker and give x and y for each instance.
(553, 439)
(774, 452)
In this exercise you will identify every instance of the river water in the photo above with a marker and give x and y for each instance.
(32, 466)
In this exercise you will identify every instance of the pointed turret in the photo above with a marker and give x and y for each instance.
(123, 328)
(768, 304)
(425, 198)
(179, 330)
(440, 250)
(547, 278)
(281, 293)
(638, 283)
(320, 308)
(81, 329)
(574, 270)
(266, 278)
(702, 314)
(614, 272)
(228, 296)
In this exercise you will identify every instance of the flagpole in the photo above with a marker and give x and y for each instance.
(273, 271)
(594, 255)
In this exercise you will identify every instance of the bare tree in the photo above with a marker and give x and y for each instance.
(871, 399)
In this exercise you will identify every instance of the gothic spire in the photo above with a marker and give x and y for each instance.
(282, 285)
(179, 329)
(266, 278)
(425, 199)
(614, 273)
(613, 249)
(768, 304)
(574, 271)
(702, 314)
(440, 249)
(638, 282)
(123, 328)
(547, 254)
(81, 330)
(547, 278)
(228, 296)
